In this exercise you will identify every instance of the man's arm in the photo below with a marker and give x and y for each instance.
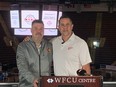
(22, 65)
(27, 38)
(85, 58)
(87, 68)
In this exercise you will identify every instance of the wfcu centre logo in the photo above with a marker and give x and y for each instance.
(71, 80)
(50, 80)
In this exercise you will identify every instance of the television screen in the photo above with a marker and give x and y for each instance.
(27, 16)
(50, 32)
(49, 18)
(22, 31)
(14, 19)
(47, 32)
(59, 15)
(21, 21)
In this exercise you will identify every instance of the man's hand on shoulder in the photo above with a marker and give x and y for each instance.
(27, 38)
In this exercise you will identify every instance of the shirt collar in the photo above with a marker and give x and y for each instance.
(72, 37)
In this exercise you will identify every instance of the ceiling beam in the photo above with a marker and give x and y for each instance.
(5, 6)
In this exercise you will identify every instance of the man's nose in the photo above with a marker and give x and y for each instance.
(65, 26)
(38, 31)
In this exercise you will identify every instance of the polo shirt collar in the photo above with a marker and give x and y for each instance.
(72, 37)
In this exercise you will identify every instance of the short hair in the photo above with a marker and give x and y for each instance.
(37, 21)
(65, 16)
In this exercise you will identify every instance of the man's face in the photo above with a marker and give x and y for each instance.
(37, 30)
(65, 26)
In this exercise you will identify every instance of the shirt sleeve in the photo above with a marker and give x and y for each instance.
(23, 65)
(84, 54)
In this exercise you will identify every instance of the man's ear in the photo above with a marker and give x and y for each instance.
(72, 26)
(57, 26)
